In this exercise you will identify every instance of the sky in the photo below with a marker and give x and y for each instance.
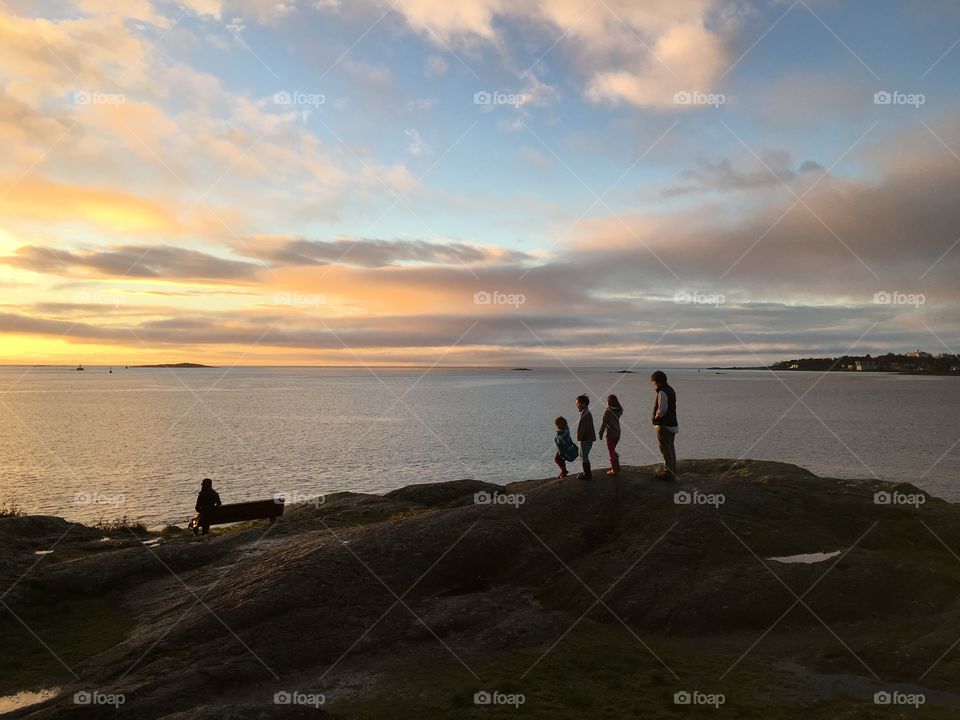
(481, 182)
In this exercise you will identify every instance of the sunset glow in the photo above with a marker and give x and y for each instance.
(476, 183)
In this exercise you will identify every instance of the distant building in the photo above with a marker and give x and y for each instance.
(867, 365)
(919, 354)
(794, 366)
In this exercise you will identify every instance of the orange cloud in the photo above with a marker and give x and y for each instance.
(109, 209)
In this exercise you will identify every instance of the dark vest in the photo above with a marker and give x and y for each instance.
(670, 419)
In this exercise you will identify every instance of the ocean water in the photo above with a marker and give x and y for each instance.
(93, 445)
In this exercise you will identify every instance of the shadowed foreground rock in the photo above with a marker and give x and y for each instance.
(599, 599)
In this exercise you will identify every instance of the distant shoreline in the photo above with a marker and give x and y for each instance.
(838, 369)
(176, 365)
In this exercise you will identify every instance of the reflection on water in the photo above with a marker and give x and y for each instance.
(92, 446)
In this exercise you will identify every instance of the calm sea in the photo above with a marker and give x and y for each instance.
(91, 445)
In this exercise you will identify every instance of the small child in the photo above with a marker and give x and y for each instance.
(611, 426)
(566, 448)
(586, 435)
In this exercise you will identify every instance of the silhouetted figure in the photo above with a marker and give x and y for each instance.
(207, 498)
(566, 449)
(665, 421)
(586, 435)
(611, 426)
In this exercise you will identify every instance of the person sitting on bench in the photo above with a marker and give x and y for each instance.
(207, 498)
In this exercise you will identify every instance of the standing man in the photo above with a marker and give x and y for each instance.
(665, 421)
(586, 435)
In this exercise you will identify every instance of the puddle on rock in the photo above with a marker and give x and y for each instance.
(807, 559)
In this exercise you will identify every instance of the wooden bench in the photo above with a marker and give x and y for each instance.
(238, 512)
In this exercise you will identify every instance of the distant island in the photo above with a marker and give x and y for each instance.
(176, 365)
(624, 372)
(917, 362)
(521, 370)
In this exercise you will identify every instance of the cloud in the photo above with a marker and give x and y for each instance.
(774, 169)
(416, 146)
(686, 58)
(373, 253)
(638, 53)
(40, 199)
(693, 334)
(235, 141)
(435, 66)
(160, 262)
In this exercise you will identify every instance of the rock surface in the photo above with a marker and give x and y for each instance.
(415, 600)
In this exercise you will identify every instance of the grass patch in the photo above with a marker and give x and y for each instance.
(121, 523)
(598, 671)
(11, 508)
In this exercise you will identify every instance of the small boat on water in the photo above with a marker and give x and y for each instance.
(79, 368)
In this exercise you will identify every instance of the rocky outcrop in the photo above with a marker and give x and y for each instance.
(345, 598)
